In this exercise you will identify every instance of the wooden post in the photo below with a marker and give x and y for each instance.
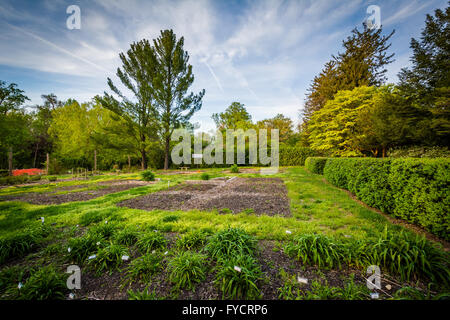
(48, 162)
(85, 173)
(10, 158)
(95, 161)
(73, 173)
(129, 163)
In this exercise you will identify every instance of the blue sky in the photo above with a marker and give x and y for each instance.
(261, 53)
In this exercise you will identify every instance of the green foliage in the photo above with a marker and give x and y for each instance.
(143, 295)
(230, 242)
(291, 289)
(108, 258)
(52, 178)
(150, 241)
(79, 249)
(12, 180)
(315, 164)
(317, 250)
(21, 243)
(420, 152)
(236, 284)
(192, 240)
(234, 168)
(187, 269)
(235, 117)
(412, 189)
(295, 156)
(104, 230)
(321, 292)
(9, 278)
(45, 284)
(144, 267)
(170, 218)
(148, 175)
(127, 236)
(205, 176)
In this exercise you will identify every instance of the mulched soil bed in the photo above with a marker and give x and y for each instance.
(53, 197)
(259, 195)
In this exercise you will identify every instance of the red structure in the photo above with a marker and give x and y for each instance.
(30, 172)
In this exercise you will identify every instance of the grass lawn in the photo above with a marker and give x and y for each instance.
(180, 263)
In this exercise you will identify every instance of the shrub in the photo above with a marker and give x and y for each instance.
(10, 277)
(143, 295)
(148, 175)
(295, 156)
(315, 164)
(187, 269)
(234, 168)
(230, 241)
(204, 176)
(52, 178)
(238, 283)
(108, 258)
(420, 152)
(412, 189)
(151, 241)
(104, 230)
(170, 218)
(45, 284)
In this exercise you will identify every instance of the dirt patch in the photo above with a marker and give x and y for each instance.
(54, 197)
(253, 195)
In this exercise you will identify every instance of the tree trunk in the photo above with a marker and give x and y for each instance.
(95, 160)
(166, 154)
(10, 158)
(144, 160)
(384, 152)
(129, 163)
(35, 155)
(48, 162)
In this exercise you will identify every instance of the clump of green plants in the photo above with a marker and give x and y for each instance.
(45, 284)
(321, 291)
(411, 293)
(205, 176)
(237, 277)
(79, 249)
(187, 269)
(127, 236)
(317, 250)
(9, 278)
(229, 242)
(23, 242)
(105, 230)
(234, 168)
(148, 175)
(143, 295)
(52, 178)
(108, 258)
(150, 241)
(170, 218)
(353, 291)
(291, 289)
(192, 240)
(144, 267)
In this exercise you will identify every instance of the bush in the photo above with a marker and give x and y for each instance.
(234, 168)
(144, 267)
(148, 175)
(52, 178)
(315, 164)
(45, 284)
(204, 176)
(127, 236)
(192, 240)
(187, 269)
(295, 156)
(416, 190)
(79, 249)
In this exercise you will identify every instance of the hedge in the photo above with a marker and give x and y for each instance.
(295, 156)
(416, 190)
(315, 164)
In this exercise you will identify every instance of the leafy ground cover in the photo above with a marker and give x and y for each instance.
(319, 251)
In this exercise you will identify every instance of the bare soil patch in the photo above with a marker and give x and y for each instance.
(254, 195)
(106, 187)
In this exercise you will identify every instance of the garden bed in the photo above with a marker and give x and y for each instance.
(251, 195)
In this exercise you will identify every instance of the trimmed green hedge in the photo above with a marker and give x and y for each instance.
(315, 164)
(295, 156)
(416, 190)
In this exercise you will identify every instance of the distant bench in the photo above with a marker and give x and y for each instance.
(184, 168)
